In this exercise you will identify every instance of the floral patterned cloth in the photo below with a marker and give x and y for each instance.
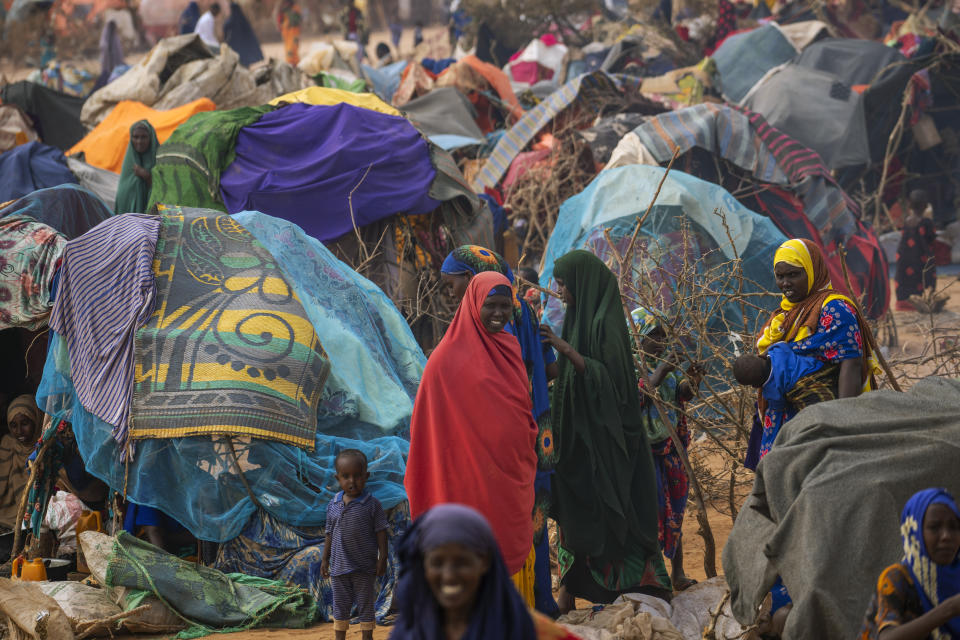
(895, 602)
(837, 339)
(29, 254)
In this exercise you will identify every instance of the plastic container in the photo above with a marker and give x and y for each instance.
(89, 521)
(33, 571)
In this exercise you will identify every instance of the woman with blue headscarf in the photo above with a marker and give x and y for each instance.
(454, 585)
(919, 597)
(541, 362)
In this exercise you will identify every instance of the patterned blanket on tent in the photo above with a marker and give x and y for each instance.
(229, 349)
(745, 139)
(520, 134)
(29, 252)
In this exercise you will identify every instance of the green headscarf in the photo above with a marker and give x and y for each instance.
(604, 490)
(133, 193)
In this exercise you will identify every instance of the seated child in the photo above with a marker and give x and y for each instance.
(355, 551)
(777, 374)
(919, 597)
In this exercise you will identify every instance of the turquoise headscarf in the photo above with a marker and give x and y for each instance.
(646, 322)
(133, 192)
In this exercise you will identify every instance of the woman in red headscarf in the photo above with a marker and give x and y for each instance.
(472, 435)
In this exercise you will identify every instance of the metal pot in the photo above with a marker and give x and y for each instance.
(57, 569)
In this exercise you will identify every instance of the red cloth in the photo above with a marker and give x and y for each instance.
(472, 435)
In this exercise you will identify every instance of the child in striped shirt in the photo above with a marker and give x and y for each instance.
(356, 547)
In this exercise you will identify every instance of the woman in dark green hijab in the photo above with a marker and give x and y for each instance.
(605, 489)
(133, 192)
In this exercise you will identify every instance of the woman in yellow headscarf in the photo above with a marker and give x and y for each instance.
(819, 322)
(23, 421)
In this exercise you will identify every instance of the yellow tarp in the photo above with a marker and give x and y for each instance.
(106, 145)
(330, 97)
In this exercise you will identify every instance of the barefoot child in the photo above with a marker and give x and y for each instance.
(674, 388)
(356, 547)
(919, 597)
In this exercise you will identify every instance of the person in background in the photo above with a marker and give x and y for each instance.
(355, 551)
(454, 584)
(111, 53)
(605, 486)
(916, 267)
(472, 433)
(417, 34)
(354, 26)
(674, 389)
(189, 18)
(23, 421)
(207, 27)
(459, 267)
(289, 21)
(919, 597)
(239, 35)
(133, 191)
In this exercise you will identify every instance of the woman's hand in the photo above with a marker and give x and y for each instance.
(142, 173)
(547, 336)
(850, 384)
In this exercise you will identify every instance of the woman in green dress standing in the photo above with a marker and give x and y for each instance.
(605, 488)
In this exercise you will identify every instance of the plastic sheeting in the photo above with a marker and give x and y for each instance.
(818, 110)
(617, 196)
(55, 115)
(69, 209)
(744, 58)
(852, 61)
(366, 404)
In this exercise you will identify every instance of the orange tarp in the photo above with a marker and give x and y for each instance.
(106, 145)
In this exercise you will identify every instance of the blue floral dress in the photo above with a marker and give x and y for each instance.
(837, 339)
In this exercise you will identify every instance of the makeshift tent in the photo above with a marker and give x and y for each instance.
(30, 167)
(542, 59)
(55, 115)
(100, 182)
(583, 91)
(792, 186)
(15, 127)
(106, 145)
(68, 209)
(179, 70)
(233, 157)
(744, 58)
(191, 161)
(345, 167)
(853, 62)
(841, 466)
(215, 485)
(610, 206)
(446, 117)
(328, 96)
(818, 110)
(385, 80)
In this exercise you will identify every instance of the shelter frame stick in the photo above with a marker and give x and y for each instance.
(866, 327)
(22, 507)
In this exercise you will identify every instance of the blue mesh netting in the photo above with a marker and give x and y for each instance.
(366, 405)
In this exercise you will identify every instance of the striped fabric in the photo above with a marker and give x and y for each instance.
(517, 137)
(106, 291)
(745, 139)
